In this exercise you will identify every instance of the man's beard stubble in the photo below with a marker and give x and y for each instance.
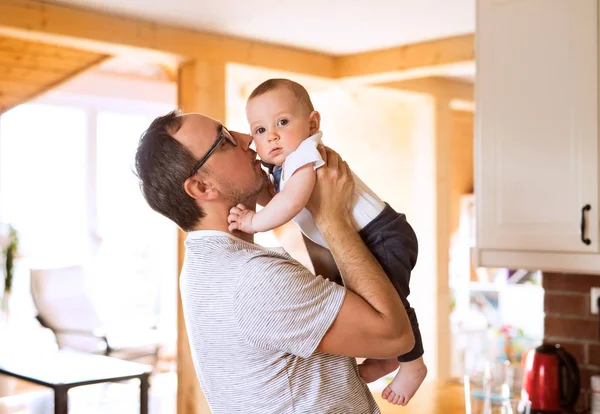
(248, 197)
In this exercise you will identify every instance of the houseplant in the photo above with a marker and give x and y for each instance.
(9, 252)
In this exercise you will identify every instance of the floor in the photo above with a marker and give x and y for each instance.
(124, 399)
(431, 398)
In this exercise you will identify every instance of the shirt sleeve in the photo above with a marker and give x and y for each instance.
(306, 153)
(281, 305)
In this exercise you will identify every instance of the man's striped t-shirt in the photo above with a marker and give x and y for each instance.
(254, 319)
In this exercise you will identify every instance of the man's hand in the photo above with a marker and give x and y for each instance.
(240, 218)
(333, 193)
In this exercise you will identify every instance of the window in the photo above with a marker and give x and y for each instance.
(135, 239)
(42, 179)
(67, 184)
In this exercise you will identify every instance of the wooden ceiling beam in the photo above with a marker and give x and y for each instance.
(115, 35)
(437, 86)
(432, 58)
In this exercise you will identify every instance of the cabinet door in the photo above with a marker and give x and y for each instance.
(537, 124)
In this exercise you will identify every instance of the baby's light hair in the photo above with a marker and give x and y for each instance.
(298, 90)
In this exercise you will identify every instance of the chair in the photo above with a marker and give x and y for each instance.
(63, 306)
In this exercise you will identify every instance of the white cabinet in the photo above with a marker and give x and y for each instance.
(536, 134)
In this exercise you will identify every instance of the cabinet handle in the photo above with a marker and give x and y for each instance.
(585, 208)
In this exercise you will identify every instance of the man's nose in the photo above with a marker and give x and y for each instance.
(244, 140)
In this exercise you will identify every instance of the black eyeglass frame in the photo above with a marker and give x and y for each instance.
(223, 134)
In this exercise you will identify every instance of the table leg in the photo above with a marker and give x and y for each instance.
(61, 400)
(144, 386)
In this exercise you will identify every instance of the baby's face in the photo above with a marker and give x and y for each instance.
(279, 123)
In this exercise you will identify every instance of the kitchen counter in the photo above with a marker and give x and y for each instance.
(432, 398)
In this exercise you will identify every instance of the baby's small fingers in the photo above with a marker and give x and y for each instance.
(235, 210)
(233, 226)
(232, 218)
(241, 207)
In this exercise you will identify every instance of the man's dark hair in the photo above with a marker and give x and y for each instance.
(162, 165)
(298, 90)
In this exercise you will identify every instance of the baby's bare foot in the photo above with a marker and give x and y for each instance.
(406, 383)
(373, 369)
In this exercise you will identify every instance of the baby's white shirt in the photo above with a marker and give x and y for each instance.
(366, 205)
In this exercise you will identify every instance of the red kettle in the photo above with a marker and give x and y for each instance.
(550, 379)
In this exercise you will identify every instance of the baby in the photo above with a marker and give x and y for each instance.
(285, 129)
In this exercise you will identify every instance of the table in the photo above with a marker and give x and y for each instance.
(65, 369)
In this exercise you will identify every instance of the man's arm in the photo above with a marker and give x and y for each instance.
(372, 321)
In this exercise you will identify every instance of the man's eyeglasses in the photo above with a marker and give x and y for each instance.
(224, 134)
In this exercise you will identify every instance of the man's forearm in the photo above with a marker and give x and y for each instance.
(362, 274)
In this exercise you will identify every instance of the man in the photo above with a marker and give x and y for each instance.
(266, 335)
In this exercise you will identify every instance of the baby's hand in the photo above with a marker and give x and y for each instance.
(240, 218)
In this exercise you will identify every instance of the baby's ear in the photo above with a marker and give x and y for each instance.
(314, 122)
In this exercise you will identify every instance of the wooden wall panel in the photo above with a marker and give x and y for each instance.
(462, 145)
(201, 89)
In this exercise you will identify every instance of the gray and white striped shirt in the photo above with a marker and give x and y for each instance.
(254, 319)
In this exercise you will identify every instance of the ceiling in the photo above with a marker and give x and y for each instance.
(330, 26)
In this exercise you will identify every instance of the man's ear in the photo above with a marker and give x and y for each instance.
(199, 188)
(314, 121)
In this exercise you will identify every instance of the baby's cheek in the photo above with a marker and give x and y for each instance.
(262, 150)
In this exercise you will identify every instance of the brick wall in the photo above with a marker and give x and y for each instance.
(570, 323)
